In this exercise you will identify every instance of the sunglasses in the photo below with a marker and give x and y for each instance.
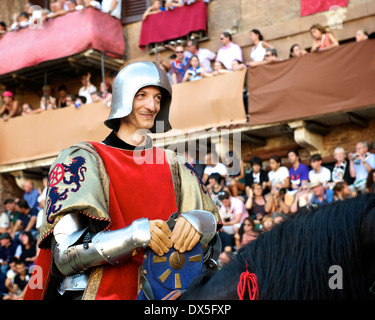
(223, 195)
(179, 52)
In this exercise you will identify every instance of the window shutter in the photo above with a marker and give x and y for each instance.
(41, 3)
(132, 10)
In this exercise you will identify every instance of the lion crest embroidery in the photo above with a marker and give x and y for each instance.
(53, 197)
(77, 172)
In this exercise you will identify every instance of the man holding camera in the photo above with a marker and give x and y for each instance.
(361, 163)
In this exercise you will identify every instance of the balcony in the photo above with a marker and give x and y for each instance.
(175, 24)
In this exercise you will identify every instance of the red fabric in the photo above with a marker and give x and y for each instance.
(61, 37)
(314, 6)
(39, 279)
(136, 191)
(172, 24)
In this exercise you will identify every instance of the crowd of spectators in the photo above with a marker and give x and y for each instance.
(254, 199)
(19, 232)
(251, 198)
(32, 15)
(88, 93)
(193, 63)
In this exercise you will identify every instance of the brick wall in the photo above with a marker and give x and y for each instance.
(8, 189)
(345, 136)
(8, 8)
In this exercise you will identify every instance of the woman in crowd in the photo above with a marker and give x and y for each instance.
(296, 51)
(301, 198)
(323, 40)
(219, 69)
(256, 202)
(341, 191)
(245, 234)
(27, 250)
(195, 72)
(278, 201)
(215, 185)
(258, 51)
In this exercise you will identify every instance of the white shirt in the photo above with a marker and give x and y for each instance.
(258, 52)
(227, 54)
(360, 169)
(106, 6)
(87, 93)
(323, 176)
(280, 175)
(205, 57)
(4, 220)
(220, 168)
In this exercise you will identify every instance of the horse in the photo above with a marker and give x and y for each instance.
(294, 260)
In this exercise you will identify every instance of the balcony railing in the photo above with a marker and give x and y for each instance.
(337, 80)
(196, 106)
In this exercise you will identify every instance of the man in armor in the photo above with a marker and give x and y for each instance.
(109, 202)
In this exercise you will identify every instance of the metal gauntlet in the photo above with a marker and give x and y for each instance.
(74, 254)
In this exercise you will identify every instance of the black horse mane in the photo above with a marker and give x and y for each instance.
(292, 261)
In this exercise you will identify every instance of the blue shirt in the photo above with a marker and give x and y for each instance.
(297, 176)
(7, 253)
(327, 197)
(25, 218)
(31, 198)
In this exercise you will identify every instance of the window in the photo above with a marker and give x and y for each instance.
(132, 10)
(41, 3)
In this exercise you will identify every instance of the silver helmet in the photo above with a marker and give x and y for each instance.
(127, 83)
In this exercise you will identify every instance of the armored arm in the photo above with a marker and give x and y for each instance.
(76, 250)
(204, 222)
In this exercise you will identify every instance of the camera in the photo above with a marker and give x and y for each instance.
(353, 156)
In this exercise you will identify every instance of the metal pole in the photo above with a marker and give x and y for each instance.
(45, 84)
(156, 53)
(103, 76)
